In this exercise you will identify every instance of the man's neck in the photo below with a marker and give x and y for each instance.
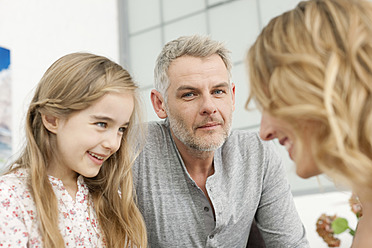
(196, 161)
(199, 165)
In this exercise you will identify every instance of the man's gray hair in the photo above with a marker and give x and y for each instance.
(196, 46)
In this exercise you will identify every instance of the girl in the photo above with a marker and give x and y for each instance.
(311, 74)
(63, 190)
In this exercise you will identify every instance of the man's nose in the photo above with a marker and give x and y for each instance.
(208, 106)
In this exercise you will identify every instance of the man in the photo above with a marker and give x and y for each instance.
(199, 184)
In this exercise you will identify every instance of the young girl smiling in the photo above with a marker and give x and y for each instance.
(72, 184)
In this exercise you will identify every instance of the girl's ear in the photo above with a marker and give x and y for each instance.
(158, 104)
(50, 122)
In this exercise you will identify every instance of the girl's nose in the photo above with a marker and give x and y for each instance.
(112, 141)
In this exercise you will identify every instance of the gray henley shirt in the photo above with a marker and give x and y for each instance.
(248, 182)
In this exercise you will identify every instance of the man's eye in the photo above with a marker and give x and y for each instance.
(101, 124)
(218, 92)
(189, 94)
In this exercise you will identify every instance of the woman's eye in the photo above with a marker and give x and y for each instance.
(101, 124)
(122, 129)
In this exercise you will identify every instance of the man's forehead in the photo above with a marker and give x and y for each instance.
(187, 86)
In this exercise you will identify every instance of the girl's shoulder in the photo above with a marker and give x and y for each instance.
(14, 182)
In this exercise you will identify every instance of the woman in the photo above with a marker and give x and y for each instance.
(311, 75)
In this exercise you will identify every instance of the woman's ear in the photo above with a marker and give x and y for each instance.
(158, 104)
(50, 122)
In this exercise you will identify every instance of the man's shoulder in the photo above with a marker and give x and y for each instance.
(244, 137)
(157, 131)
(156, 126)
(248, 141)
(158, 137)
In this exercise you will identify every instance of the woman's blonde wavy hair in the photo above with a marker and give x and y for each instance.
(313, 64)
(73, 83)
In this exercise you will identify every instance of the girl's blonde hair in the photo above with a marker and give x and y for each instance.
(313, 64)
(73, 83)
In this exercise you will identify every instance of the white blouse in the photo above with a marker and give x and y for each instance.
(19, 225)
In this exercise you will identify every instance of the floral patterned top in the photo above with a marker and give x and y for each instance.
(18, 216)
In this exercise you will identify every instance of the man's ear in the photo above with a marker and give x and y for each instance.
(233, 94)
(158, 104)
(50, 122)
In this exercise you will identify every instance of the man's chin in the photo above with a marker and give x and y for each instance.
(208, 145)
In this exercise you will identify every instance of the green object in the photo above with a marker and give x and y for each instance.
(340, 225)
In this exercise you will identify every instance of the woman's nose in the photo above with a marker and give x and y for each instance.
(267, 132)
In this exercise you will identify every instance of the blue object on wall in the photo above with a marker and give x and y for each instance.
(4, 58)
(5, 107)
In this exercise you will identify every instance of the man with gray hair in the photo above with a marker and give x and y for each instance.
(198, 183)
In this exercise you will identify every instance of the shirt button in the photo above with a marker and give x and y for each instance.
(206, 209)
(211, 236)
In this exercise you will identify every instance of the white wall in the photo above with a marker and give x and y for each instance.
(38, 32)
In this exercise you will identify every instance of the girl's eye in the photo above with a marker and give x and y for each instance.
(101, 124)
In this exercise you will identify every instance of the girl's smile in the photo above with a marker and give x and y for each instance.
(87, 138)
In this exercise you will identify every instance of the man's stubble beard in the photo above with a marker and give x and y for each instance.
(192, 141)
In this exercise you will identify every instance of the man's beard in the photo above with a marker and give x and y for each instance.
(201, 143)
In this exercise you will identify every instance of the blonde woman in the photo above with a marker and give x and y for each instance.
(311, 74)
(63, 190)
